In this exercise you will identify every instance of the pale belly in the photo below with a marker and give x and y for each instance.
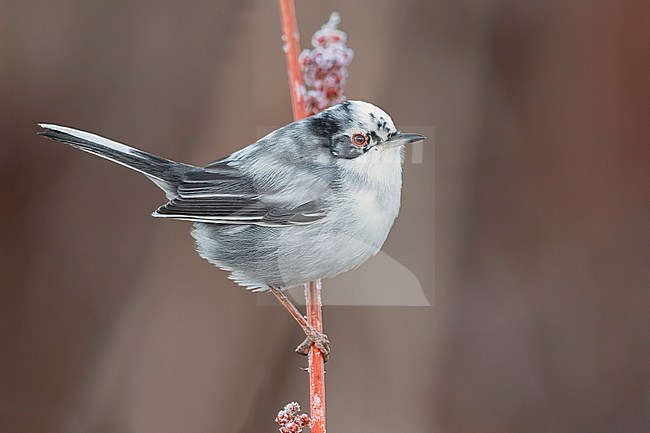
(258, 257)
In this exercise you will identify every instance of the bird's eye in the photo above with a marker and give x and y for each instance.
(359, 140)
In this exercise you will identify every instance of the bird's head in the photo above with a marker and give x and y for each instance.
(354, 128)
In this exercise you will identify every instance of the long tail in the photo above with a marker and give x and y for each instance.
(163, 172)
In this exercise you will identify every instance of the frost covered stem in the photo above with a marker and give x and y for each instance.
(291, 41)
(291, 47)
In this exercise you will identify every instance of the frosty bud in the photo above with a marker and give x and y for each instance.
(325, 67)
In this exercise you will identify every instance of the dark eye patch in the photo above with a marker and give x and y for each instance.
(342, 147)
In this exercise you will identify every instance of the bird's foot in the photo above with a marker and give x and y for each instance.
(319, 340)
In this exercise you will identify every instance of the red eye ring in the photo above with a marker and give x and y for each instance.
(359, 140)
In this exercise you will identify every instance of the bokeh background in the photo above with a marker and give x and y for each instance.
(526, 222)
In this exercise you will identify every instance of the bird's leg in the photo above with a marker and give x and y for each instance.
(314, 337)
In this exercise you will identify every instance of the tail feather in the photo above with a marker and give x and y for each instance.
(163, 172)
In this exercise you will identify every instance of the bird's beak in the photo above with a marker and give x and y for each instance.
(405, 138)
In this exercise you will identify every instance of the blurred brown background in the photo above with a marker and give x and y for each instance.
(109, 322)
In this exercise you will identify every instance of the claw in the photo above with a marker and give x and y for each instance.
(319, 340)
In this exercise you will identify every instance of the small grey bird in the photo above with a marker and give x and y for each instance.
(312, 199)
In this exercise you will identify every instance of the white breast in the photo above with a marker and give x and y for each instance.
(371, 193)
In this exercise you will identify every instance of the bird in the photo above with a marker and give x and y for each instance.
(312, 199)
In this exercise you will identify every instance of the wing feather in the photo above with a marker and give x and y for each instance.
(224, 194)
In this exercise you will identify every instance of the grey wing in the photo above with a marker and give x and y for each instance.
(223, 194)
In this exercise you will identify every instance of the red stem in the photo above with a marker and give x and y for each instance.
(291, 39)
(316, 361)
